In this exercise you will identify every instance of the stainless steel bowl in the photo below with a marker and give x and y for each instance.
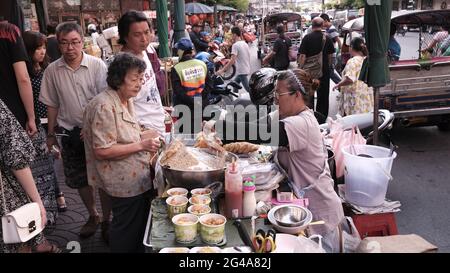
(195, 179)
(290, 216)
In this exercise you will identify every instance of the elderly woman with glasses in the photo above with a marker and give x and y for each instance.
(302, 152)
(305, 157)
(118, 155)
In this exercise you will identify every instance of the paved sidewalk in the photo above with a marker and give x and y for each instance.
(65, 232)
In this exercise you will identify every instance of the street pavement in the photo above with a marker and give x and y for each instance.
(65, 233)
(422, 183)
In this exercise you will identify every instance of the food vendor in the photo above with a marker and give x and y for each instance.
(302, 152)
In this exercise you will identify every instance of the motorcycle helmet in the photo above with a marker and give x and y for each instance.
(205, 57)
(262, 85)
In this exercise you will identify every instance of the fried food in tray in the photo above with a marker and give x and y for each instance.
(241, 147)
(210, 141)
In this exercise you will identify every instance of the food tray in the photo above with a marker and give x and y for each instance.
(159, 232)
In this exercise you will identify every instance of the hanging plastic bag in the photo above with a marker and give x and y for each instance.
(342, 138)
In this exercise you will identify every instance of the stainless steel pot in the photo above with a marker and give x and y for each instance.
(195, 179)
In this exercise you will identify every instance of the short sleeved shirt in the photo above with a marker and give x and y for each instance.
(242, 52)
(71, 90)
(312, 44)
(12, 50)
(108, 122)
(281, 49)
(148, 105)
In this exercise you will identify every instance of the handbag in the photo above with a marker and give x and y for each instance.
(160, 76)
(293, 52)
(22, 224)
(313, 64)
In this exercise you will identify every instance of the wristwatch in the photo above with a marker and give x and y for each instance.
(49, 135)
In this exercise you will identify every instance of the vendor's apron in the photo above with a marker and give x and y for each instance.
(323, 200)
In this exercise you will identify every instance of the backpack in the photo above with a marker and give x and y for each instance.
(313, 64)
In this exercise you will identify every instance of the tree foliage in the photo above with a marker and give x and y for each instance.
(346, 4)
(240, 5)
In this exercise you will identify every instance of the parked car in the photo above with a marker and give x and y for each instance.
(343, 16)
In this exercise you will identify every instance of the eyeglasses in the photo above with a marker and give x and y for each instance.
(67, 44)
(277, 95)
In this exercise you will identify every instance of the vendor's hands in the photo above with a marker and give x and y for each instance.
(151, 144)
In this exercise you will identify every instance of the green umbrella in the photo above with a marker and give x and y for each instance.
(163, 31)
(375, 70)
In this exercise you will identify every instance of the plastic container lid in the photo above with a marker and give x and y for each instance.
(249, 186)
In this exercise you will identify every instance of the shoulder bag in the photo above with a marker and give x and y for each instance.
(22, 224)
(160, 76)
(313, 64)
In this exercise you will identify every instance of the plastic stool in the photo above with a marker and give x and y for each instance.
(382, 224)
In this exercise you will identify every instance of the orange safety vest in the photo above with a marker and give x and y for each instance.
(192, 74)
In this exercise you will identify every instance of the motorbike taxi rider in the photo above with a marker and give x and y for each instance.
(191, 84)
(302, 152)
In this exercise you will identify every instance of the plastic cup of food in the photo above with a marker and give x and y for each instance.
(212, 228)
(176, 204)
(185, 227)
(201, 191)
(177, 191)
(200, 200)
(199, 210)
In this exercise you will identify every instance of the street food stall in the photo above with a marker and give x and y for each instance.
(193, 213)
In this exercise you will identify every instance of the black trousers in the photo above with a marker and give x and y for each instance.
(323, 94)
(130, 216)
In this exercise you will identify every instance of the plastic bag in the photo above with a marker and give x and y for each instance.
(342, 138)
(349, 236)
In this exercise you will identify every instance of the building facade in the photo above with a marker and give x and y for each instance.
(420, 4)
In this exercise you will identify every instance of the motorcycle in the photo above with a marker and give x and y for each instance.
(220, 60)
(229, 95)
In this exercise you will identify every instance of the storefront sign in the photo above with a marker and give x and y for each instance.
(151, 14)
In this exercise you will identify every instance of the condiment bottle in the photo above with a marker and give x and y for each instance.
(233, 191)
(249, 200)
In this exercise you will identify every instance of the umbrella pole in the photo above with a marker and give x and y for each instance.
(376, 91)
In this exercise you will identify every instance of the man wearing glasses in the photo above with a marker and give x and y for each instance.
(68, 85)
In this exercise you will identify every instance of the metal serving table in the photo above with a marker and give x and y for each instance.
(159, 231)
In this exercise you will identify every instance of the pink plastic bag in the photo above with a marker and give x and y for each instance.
(342, 138)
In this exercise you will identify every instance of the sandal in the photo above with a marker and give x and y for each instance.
(62, 207)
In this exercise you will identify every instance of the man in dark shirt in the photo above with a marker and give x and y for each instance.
(52, 44)
(16, 91)
(279, 57)
(195, 38)
(311, 45)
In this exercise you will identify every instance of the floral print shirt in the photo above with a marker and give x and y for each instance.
(108, 122)
(357, 98)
